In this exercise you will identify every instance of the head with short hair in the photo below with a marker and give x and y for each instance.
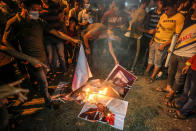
(32, 4)
(76, 5)
(33, 8)
(159, 3)
(120, 4)
(144, 3)
(170, 7)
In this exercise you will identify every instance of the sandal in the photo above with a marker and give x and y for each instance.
(178, 115)
(151, 80)
(168, 99)
(171, 111)
(161, 89)
(172, 104)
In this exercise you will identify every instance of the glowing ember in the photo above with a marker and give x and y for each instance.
(92, 96)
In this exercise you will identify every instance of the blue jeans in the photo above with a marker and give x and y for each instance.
(187, 102)
(59, 46)
(39, 75)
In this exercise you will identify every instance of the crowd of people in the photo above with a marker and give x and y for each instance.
(40, 37)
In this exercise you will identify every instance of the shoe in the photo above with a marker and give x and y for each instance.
(159, 89)
(179, 115)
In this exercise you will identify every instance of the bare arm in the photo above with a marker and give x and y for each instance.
(112, 51)
(63, 36)
(12, 52)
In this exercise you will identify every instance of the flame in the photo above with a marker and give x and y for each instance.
(87, 90)
(92, 96)
(103, 92)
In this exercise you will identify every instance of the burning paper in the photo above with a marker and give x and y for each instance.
(108, 111)
(60, 90)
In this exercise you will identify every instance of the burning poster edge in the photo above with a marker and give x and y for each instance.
(117, 107)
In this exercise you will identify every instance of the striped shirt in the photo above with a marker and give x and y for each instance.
(153, 21)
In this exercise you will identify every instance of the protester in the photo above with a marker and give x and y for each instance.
(116, 20)
(71, 47)
(150, 24)
(170, 22)
(74, 11)
(137, 17)
(184, 50)
(28, 29)
(187, 103)
(52, 43)
(184, 6)
(84, 17)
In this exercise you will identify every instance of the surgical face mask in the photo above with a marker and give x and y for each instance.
(87, 6)
(34, 15)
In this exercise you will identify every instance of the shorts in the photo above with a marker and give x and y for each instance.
(156, 57)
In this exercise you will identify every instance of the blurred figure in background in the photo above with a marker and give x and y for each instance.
(85, 15)
(71, 47)
(148, 28)
(184, 6)
(74, 11)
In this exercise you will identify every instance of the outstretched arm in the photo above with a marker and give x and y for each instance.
(63, 36)
(12, 52)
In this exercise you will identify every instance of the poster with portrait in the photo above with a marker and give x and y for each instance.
(122, 78)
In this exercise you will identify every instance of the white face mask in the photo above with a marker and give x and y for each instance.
(34, 15)
(87, 6)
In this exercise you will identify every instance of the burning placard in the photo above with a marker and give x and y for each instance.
(106, 110)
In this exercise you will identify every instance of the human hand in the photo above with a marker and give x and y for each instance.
(151, 31)
(88, 51)
(185, 69)
(168, 50)
(22, 97)
(36, 63)
(77, 41)
(161, 47)
(150, 43)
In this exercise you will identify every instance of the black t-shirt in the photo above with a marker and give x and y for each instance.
(188, 22)
(29, 35)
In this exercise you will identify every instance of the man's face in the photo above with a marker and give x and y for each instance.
(76, 5)
(159, 4)
(86, 2)
(34, 12)
(169, 10)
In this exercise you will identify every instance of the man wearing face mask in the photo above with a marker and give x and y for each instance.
(84, 16)
(28, 29)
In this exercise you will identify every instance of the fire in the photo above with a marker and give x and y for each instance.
(92, 96)
(87, 90)
(103, 92)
